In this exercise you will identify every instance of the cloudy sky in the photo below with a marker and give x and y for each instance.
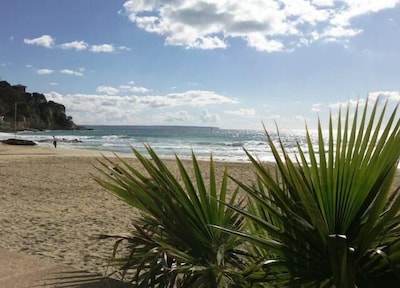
(225, 63)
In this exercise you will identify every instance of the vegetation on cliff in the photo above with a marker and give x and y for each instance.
(21, 110)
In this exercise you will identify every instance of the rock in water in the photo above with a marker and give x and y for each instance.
(18, 142)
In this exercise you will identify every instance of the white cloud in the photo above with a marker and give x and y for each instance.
(49, 42)
(55, 96)
(188, 98)
(44, 71)
(261, 43)
(267, 25)
(316, 107)
(122, 109)
(354, 8)
(208, 117)
(45, 41)
(124, 48)
(323, 2)
(350, 103)
(76, 45)
(340, 32)
(300, 118)
(107, 89)
(122, 89)
(102, 48)
(71, 72)
(242, 112)
(372, 97)
(174, 117)
(384, 95)
(273, 117)
(134, 89)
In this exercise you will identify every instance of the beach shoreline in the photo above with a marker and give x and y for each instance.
(50, 205)
(21, 151)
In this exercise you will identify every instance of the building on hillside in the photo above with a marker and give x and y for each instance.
(20, 88)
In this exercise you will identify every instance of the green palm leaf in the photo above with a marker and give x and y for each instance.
(331, 216)
(173, 243)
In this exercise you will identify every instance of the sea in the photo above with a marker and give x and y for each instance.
(226, 145)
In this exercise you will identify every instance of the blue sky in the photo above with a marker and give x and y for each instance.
(225, 63)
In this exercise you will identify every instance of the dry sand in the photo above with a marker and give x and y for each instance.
(50, 205)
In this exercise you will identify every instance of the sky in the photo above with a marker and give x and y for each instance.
(222, 63)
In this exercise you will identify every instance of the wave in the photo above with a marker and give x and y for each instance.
(111, 137)
(223, 144)
(115, 145)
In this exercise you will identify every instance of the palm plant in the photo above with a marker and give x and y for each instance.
(330, 218)
(173, 243)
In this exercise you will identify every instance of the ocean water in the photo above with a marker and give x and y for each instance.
(168, 141)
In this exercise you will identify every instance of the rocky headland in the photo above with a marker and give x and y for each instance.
(20, 110)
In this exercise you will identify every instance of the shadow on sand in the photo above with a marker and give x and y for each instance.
(81, 279)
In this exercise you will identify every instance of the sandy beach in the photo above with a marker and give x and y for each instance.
(51, 207)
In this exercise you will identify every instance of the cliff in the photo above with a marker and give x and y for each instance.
(33, 111)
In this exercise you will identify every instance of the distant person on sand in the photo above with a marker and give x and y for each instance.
(54, 142)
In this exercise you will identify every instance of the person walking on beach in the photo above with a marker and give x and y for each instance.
(54, 142)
